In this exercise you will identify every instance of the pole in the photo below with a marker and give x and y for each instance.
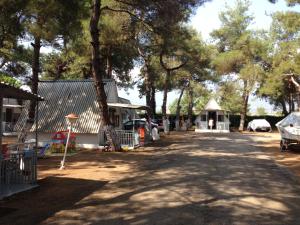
(133, 129)
(1, 118)
(36, 123)
(66, 149)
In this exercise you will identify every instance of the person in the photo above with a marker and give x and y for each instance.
(210, 123)
(166, 124)
(155, 135)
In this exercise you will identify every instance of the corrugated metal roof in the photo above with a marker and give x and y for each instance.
(123, 100)
(71, 96)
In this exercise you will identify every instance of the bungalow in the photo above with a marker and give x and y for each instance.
(17, 162)
(212, 119)
(11, 111)
(63, 97)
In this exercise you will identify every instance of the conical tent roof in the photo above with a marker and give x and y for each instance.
(212, 105)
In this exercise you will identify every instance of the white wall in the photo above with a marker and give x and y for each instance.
(82, 140)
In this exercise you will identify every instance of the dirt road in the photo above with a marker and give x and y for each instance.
(187, 178)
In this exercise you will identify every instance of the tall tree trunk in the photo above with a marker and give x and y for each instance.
(98, 77)
(178, 108)
(35, 74)
(165, 96)
(290, 103)
(109, 63)
(147, 80)
(152, 99)
(244, 111)
(167, 81)
(148, 87)
(284, 109)
(190, 107)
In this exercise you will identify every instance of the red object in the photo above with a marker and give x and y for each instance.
(141, 132)
(60, 137)
(5, 152)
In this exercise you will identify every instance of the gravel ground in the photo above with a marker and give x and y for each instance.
(186, 178)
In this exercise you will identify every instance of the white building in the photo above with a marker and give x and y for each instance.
(63, 97)
(213, 119)
(11, 111)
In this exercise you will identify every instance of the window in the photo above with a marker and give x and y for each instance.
(221, 118)
(111, 113)
(117, 121)
(203, 117)
(9, 114)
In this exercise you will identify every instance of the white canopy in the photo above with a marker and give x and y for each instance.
(128, 106)
(212, 105)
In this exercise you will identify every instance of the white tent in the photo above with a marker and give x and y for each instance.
(213, 118)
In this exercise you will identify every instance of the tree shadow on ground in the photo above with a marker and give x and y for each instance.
(184, 188)
(53, 195)
(219, 179)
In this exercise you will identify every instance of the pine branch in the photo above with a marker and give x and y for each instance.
(148, 27)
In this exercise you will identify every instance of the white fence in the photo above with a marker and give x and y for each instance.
(18, 168)
(203, 125)
(125, 137)
(7, 127)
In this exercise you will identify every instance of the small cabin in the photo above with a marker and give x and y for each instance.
(213, 119)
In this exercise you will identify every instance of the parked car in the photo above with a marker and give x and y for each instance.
(259, 125)
(137, 123)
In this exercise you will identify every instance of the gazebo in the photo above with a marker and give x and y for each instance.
(17, 165)
(212, 119)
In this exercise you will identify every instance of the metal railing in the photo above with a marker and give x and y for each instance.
(203, 125)
(18, 167)
(8, 127)
(223, 126)
(125, 137)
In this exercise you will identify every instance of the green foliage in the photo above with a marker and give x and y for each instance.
(283, 59)
(9, 80)
(13, 57)
(201, 97)
(261, 111)
(50, 20)
(241, 53)
(230, 96)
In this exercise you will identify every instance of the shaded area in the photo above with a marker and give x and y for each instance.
(4, 211)
(187, 178)
(54, 194)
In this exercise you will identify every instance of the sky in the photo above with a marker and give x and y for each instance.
(205, 20)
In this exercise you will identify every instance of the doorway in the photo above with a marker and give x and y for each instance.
(212, 115)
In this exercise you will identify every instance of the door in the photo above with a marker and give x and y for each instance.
(9, 113)
(212, 116)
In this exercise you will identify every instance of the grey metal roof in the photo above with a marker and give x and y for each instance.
(123, 100)
(71, 96)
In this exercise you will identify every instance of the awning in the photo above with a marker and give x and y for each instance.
(9, 91)
(12, 106)
(128, 106)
